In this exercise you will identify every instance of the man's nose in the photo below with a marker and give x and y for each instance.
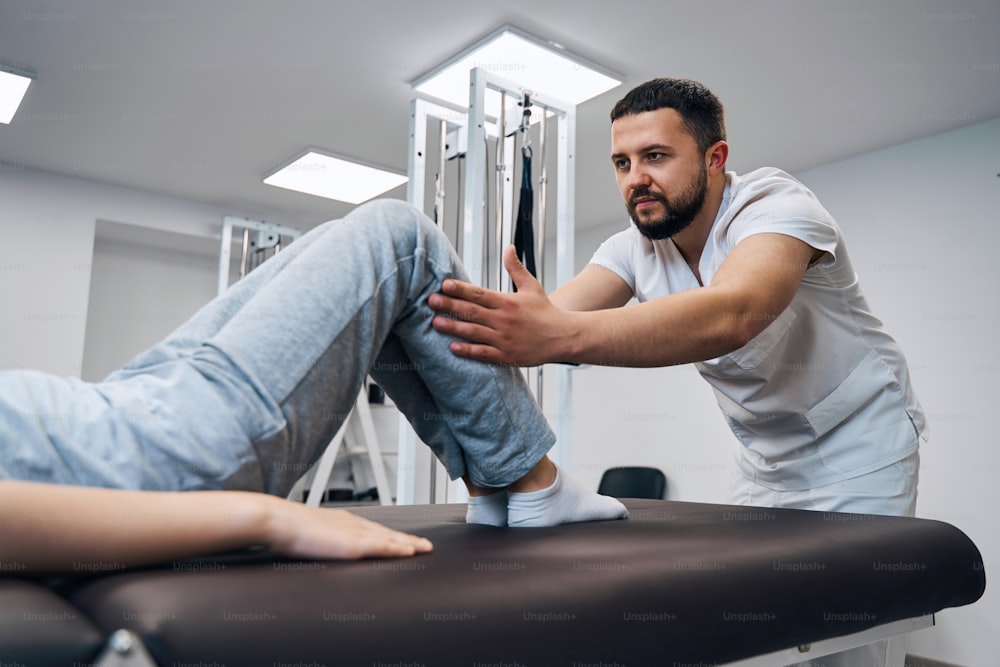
(638, 177)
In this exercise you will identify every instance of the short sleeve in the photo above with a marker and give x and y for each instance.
(615, 254)
(793, 211)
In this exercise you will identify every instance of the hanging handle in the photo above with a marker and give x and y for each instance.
(526, 125)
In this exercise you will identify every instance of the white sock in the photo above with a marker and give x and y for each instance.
(488, 510)
(566, 501)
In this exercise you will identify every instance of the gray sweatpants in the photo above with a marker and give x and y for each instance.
(260, 379)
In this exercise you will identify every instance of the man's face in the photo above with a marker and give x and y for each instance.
(660, 171)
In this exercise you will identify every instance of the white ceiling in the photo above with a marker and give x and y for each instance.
(201, 99)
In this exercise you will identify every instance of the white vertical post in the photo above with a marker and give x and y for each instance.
(406, 458)
(540, 230)
(473, 218)
(509, 185)
(417, 164)
(565, 256)
(225, 254)
(500, 178)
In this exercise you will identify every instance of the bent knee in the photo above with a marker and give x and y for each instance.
(396, 218)
(388, 210)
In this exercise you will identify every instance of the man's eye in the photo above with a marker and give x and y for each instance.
(621, 164)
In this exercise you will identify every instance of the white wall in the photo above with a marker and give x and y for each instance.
(143, 284)
(922, 221)
(44, 274)
(47, 223)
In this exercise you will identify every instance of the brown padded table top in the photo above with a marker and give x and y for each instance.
(677, 583)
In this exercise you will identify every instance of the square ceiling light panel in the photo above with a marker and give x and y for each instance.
(344, 179)
(532, 63)
(13, 85)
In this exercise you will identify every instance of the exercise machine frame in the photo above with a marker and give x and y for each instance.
(420, 478)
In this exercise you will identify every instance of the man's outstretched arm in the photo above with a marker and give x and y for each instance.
(594, 288)
(751, 288)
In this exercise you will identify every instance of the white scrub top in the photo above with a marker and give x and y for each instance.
(822, 394)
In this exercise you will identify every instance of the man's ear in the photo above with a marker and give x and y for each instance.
(716, 156)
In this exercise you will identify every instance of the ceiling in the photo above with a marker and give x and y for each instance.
(200, 100)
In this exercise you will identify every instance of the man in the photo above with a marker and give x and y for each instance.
(747, 277)
(261, 378)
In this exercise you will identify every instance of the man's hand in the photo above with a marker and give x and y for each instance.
(523, 328)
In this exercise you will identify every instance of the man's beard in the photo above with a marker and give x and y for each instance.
(675, 216)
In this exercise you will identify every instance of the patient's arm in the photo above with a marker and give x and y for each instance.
(50, 528)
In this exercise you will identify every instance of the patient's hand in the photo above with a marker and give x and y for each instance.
(299, 531)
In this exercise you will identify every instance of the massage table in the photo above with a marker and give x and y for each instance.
(678, 584)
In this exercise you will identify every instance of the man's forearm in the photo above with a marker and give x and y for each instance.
(754, 285)
(689, 326)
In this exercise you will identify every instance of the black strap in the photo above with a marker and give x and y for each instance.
(524, 233)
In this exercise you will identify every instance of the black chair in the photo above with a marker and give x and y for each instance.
(633, 482)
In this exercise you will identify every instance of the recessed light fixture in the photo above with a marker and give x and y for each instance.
(341, 178)
(14, 83)
(532, 63)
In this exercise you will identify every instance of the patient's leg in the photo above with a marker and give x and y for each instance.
(289, 352)
(469, 413)
(398, 375)
(250, 390)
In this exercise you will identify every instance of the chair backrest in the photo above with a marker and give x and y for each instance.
(633, 482)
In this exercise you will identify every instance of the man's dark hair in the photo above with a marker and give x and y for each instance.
(700, 110)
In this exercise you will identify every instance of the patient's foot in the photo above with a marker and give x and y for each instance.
(489, 510)
(564, 501)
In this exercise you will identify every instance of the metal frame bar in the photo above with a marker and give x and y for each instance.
(565, 258)
(226, 250)
(833, 645)
(543, 181)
